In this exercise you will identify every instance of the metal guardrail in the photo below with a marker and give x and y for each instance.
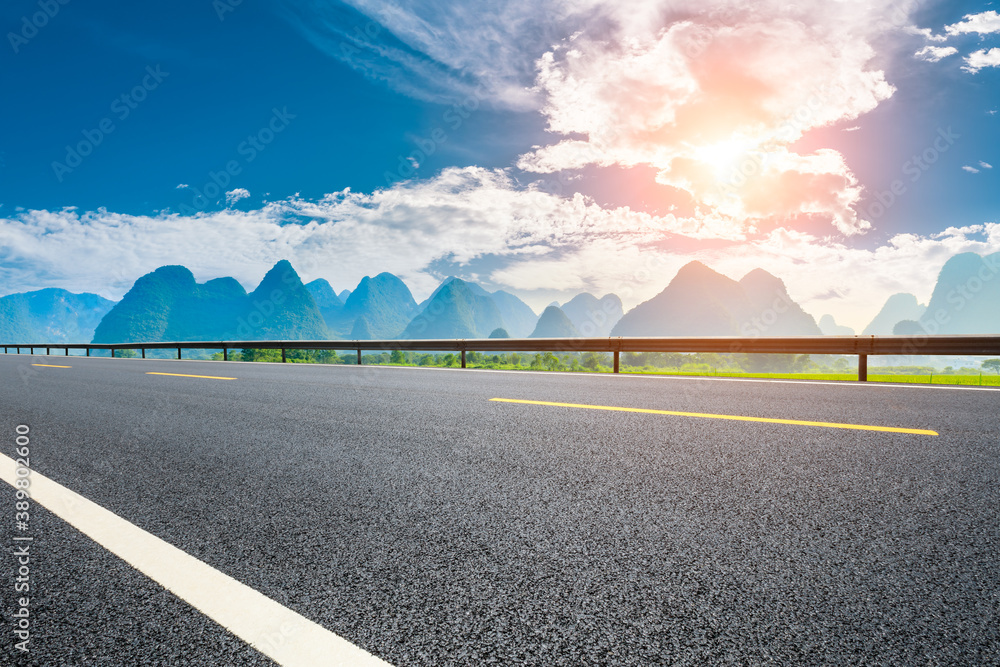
(862, 346)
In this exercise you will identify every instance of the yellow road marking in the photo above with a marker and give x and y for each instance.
(182, 375)
(766, 420)
(51, 366)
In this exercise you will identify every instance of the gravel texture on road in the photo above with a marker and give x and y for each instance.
(403, 510)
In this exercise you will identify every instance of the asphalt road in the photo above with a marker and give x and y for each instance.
(407, 512)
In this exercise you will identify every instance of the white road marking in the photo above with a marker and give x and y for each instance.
(283, 635)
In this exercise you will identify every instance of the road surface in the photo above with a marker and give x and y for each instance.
(406, 512)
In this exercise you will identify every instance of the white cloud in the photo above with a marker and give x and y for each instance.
(985, 165)
(983, 23)
(977, 60)
(699, 89)
(935, 53)
(182, 186)
(234, 196)
(714, 101)
(462, 215)
(811, 268)
(925, 33)
(466, 220)
(444, 51)
(971, 170)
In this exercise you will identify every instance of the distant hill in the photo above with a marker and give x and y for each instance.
(295, 314)
(594, 317)
(966, 298)
(208, 312)
(360, 330)
(829, 327)
(330, 305)
(773, 312)
(384, 301)
(51, 316)
(344, 294)
(518, 317)
(702, 302)
(168, 304)
(15, 325)
(554, 324)
(456, 310)
(144, 313)
(897, 308)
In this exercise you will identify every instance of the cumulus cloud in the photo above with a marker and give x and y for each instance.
(985, 165)
(934, 54)
(811, 267)
(182, 186)
(982, 58)
(458, 217)
(465, 221)
(711, 93)
(971, 170)
(715, 100)
(926, 33)
(234, 196)
(983, 23)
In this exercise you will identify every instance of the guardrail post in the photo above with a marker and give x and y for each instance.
(283, 360)
(47, 351)
(143, 353)
(178, 353)
(359, 356)
(88, 351)
(112, 353)
(616, 361)
(862, 368)
(32, 348)
(225, 354)
(463, 358)
(67, 352)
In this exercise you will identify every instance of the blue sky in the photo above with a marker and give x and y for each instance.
(546, 149)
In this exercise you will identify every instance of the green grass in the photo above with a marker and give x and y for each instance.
(943, 378)
(534, 362)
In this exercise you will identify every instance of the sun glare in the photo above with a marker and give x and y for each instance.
(726, 158)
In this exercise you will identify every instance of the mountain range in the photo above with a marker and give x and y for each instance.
(966, 297)
(51, 316)
(457, 309)
(702, 302)
(168, 304)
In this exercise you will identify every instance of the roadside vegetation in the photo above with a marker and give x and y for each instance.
(801, 367)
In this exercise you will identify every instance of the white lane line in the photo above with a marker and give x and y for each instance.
(283, 635)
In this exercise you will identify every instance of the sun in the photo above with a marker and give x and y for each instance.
(731, 160)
